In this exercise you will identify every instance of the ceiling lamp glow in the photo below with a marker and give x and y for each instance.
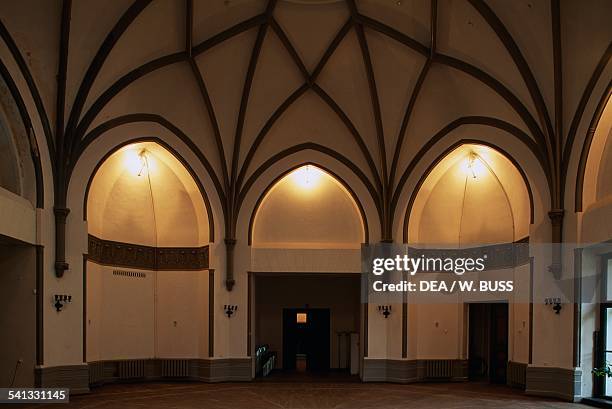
(307, 177)
(473, 166)
(137, 161)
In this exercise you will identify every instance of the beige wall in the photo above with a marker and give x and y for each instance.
(161, 315)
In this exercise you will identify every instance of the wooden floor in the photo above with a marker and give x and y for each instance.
(308, 395)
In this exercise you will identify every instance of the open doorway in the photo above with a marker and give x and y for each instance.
(306, 322)
(488, 342)
(18, 315)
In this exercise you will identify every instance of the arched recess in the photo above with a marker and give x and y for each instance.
(148, 254)
(21, 260)
(595, 165)
(297, 191)
(174, 159)
(345, 171)
(473, 193)
(593, 187)
(20, 169)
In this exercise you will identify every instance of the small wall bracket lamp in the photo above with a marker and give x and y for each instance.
(61, 300)
(555, 302)
(385, 310)
(229, 310)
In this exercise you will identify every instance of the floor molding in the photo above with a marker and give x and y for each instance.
(74, 377)
(561, 383)
(204, 370)
(414, 370)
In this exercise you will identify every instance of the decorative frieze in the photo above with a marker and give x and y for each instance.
(116, 253)
(497, 256)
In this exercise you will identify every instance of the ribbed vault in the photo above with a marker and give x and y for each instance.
(374, 83)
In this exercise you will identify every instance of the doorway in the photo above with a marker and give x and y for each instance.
(488, 342)
(603, 385)
(305, 323)
(306, 335)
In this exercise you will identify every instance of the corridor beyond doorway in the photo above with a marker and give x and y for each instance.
(308, 322)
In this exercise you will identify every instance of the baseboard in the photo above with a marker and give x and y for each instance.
(73, 377)
(560, 383)
(222, 370)
(414, 370)
(203, 370)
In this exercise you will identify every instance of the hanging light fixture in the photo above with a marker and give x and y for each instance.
(144, 162)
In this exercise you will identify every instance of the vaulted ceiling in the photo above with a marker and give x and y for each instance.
(373, 83)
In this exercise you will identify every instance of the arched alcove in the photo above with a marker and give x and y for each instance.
(20, 193)
(596, 187)
(474, 195)
(142, 194)
(147, 273)
(17, 167)
(593, 187)
(308, 207)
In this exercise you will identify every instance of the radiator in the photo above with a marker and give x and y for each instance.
(516, 374)
(442, 368)
(175, 368)
(133, 368)
(96, 372)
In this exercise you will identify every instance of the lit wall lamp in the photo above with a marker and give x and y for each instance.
(61, 300)
(229, 310)
(385, 310)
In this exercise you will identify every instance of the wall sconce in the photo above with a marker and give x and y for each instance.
(61, 300)
(229, 310)
(385, 310)
(555, 302)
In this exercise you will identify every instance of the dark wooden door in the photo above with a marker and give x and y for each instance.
(488, 342)
(499, 343)
(311, 338)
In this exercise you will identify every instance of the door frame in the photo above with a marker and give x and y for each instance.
(252, 310)
(604, 304)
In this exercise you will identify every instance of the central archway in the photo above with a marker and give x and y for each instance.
(305, 233)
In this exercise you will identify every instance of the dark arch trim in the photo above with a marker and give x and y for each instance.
(586, 147)
(27, 124)
(471, 120)
(27, 75)
(441, 157)
(318, 148)
(211, 224)
(334, 175)
(160, 120)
